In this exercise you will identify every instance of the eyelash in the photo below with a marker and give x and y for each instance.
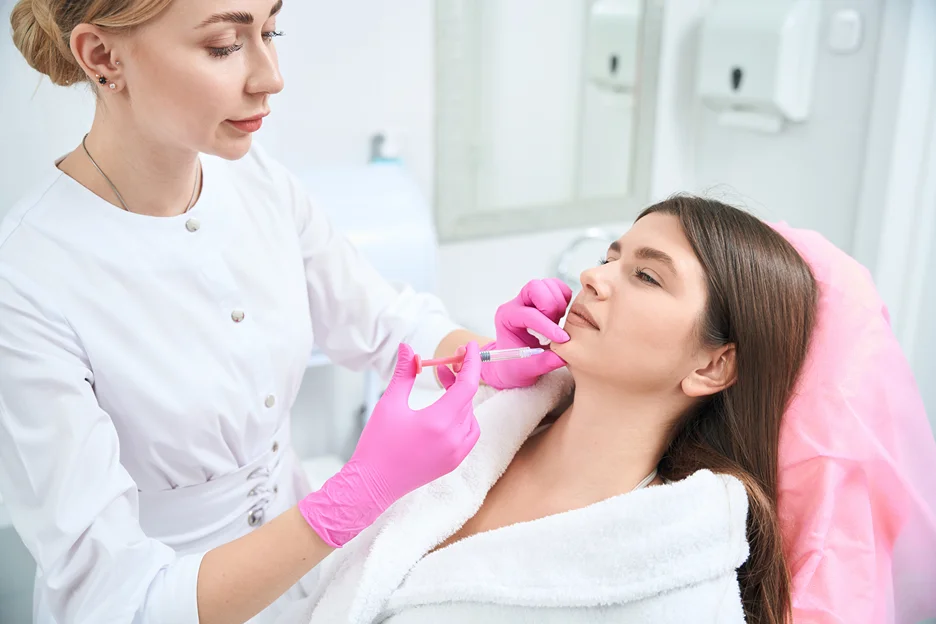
(645, 277)
(638, 273)
(222, 52)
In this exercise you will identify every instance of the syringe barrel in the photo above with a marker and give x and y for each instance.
(498, 355)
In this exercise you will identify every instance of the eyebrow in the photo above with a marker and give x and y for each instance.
(238, 17)
(649, 253)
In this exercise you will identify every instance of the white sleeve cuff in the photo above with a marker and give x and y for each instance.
(173, 595)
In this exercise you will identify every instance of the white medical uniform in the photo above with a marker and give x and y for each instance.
(147, 371)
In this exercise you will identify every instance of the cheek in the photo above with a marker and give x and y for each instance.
(185, 94)
(651, 328)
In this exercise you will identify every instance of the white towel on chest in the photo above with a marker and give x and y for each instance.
(662, 554)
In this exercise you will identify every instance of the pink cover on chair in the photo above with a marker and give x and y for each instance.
(857, 461)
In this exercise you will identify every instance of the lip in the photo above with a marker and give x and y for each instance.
(579, 315)
(254, 118)
(249, 124)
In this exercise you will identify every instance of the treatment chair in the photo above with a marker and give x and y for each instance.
(857, 474)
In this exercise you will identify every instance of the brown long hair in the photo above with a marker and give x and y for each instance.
(762, 298)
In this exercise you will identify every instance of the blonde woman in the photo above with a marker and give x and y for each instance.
(160, 294)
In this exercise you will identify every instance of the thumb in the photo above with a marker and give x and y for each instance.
(446, 377)
(404, 375)
(466, 384)
(545, 363)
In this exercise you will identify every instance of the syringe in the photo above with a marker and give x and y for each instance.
(494, 355)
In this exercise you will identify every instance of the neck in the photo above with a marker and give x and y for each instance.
(605, 443)
(153, 178)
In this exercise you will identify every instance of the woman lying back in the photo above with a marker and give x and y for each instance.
(639, 485)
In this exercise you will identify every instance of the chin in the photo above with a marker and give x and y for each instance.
(231, 148)
(565, 350)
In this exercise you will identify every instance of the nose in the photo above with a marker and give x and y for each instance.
(265, 76)
(596, 282)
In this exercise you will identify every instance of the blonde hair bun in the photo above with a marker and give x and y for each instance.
(42, 30)
(38, 38)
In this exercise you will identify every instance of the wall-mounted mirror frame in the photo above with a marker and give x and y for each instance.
(460, 214)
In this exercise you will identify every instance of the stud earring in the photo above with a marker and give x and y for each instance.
(113, 86)
(102, 80)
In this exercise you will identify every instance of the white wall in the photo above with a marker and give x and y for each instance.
(810, 174)
(43, 121)
(354, 68)
(897, 218)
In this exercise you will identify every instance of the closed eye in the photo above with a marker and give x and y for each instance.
(645, 277)
(231, 49)
(225, 51)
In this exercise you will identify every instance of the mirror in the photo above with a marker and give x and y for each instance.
(544, 113)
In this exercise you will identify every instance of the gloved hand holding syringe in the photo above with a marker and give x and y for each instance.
(524, 326)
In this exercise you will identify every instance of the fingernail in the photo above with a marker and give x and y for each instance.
(566, 337)
(543, 340)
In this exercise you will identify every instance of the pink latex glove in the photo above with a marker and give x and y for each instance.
(400, 450)
(539, 306)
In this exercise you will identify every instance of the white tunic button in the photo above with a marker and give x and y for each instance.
(255, 517)
(237, 316)
(270, 401)
(192, 225)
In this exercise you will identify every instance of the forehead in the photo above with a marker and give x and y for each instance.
(197, 10)
(660, 231)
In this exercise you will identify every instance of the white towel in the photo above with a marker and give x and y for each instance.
(667, 553)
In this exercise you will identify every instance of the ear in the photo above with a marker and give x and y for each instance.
(93, 49)
(718, 371)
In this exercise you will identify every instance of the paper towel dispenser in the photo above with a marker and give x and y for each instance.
(613, 44)
(756, 61)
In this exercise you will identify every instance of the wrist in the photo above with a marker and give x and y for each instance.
(346, 504)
